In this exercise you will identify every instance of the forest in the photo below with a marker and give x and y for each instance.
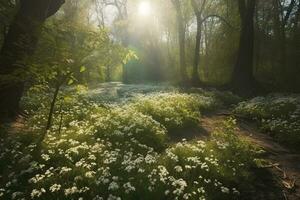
(150, 100)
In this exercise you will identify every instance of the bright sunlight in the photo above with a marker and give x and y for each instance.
(144, 8)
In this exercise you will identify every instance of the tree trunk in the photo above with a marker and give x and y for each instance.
(181, 37)
(20, 43)
(243, 81)
(52, 107)
(123, 16)
(295, 70)
(280, 42)
(197, 12)
(195, 77)
(108, 73)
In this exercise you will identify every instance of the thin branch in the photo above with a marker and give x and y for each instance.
(288, 12)
(220, 18)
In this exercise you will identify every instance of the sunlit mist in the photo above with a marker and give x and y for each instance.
(144, 8)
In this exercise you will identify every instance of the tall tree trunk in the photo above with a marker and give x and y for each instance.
(20, 43)
(243, 81)
(295, 70)
(197, 12)
(121, 6)
(195, 78)
(108, 73)
(280, 41)
(181, 37)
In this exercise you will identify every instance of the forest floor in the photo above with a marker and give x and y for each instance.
(282, 163)
(277, 174)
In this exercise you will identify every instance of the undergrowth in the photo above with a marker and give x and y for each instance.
(123, 151)
(277, 115)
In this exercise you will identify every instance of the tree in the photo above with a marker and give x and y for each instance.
(7, 11)
(121, 6)
(243, 81)
(198, 12)
(100, 12)
(198, 8)
(282, 14)
(20, 43)
(181, 38)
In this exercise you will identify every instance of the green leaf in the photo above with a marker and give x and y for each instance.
(82, 69)
(70, 82)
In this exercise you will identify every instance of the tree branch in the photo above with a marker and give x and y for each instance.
(219, 17)
(288, 12)
(54, 5)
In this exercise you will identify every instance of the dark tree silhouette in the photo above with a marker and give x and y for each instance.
(243, 81)
(20, 43)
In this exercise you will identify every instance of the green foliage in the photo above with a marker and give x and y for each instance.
(278, 115)
(64, 50)
(225, 98)
(174, 110)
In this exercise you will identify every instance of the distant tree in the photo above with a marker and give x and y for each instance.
(281, 17)
(99, 6)
(122, 19)
(181, 38)
(198, 8)
(20, 43)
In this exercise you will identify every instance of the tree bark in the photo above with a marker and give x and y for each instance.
(197, 12)
(195, 77)
(243, 81)
(295, 70)
(280, 41)
(19, 44)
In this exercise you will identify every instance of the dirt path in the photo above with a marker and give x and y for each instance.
(284, 164)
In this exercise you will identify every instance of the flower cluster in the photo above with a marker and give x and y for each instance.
(122, 151)
(277, 114)
(174, 110)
